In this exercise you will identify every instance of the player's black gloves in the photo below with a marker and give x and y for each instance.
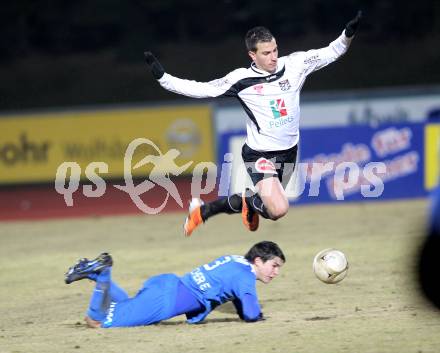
(353, 25)
(155, 66)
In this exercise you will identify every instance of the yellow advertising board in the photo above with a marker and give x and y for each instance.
(432, 155)
(33, 146)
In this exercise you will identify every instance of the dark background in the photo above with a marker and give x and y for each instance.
(71, 53)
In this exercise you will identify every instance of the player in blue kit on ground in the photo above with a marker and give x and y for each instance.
(196, 294)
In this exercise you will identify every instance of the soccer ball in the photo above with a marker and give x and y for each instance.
(330, 266)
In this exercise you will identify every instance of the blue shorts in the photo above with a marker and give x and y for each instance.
(154, 302)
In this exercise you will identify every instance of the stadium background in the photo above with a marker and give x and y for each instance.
(74, 87)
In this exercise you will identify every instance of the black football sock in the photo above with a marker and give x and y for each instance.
(256, 204)
(229, 205)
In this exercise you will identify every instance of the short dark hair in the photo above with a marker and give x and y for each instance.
(266, 250)
(256, 35)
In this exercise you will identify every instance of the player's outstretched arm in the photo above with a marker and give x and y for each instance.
(353, 25)
(190, 88)
(248, 308)
(156, 67)
(316, 59)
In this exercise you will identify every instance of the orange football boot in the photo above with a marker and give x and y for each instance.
(194, 218)
(250, 218)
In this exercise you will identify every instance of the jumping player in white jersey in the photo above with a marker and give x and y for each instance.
(269, 92)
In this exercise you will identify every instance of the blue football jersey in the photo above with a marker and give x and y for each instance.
(227, 278)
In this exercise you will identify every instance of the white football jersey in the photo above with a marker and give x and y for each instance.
(271, 101)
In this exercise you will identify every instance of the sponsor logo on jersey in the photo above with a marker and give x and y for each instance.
(311, 59)
(263, 165)
(219, 82)
(284, 85)
(278, 107)
(259, 89)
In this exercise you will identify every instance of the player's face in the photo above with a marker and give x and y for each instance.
(267, 271)
(266, 56)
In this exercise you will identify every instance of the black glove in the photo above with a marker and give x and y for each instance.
(155, 66)
(353, 25)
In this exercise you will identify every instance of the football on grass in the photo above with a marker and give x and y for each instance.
(330, 266)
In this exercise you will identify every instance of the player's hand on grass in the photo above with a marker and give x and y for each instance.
(353, 25)
(156, 67)
(262, 317)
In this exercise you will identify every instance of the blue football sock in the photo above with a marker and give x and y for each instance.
(100, 300)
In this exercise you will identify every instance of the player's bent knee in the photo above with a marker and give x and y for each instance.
(278, 215)
(277, 211)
